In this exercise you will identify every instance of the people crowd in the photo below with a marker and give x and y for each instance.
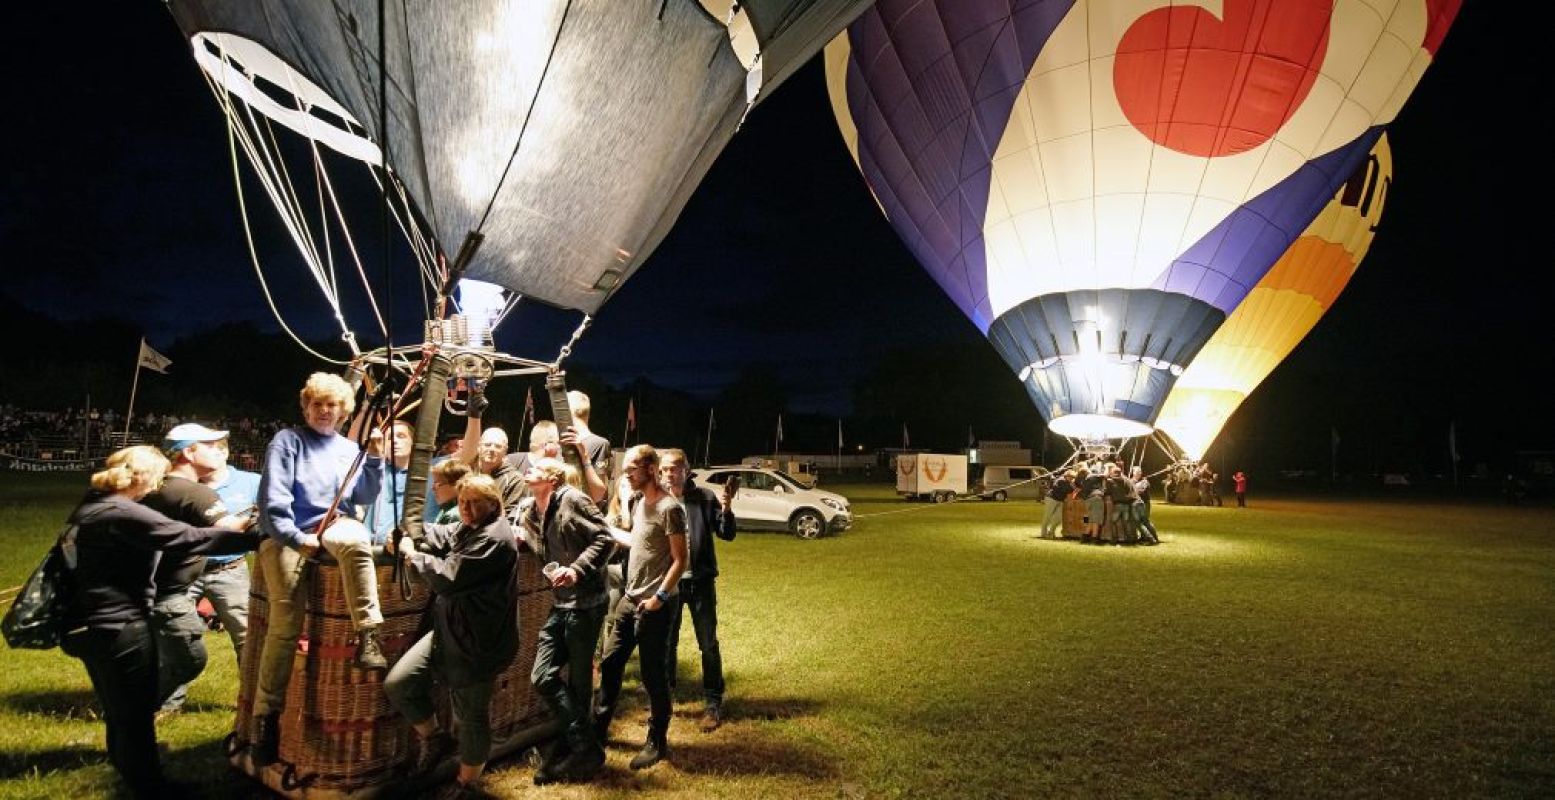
(165, 527)
(83, 432)
(1104, 501)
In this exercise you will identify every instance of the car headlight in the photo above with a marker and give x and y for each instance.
(834, 504)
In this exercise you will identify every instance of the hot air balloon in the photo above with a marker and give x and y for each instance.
(1098, 184)
(538, 149)
(1280, 311)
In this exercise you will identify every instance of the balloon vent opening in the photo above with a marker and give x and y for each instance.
(1097, 427)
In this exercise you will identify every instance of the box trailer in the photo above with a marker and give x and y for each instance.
(930, 476)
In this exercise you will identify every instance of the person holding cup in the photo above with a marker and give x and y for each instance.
(561, 524)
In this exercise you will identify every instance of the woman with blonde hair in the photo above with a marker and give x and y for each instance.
(117, 542)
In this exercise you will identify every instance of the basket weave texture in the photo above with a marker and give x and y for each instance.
(339, 736)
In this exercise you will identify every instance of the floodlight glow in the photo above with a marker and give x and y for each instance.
(1098, 426)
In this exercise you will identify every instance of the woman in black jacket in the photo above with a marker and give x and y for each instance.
(117, 543)
(472, 568)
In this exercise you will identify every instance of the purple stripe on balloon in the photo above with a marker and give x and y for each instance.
(931, 93)
(1226, 263)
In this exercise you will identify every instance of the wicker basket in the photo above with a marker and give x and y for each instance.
(339, 735)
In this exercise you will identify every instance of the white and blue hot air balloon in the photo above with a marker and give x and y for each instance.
(1098, 184)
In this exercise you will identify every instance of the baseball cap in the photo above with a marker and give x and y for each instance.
(182, 436)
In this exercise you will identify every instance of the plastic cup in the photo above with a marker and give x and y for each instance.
(549, 570)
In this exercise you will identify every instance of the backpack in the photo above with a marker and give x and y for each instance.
(36, 619)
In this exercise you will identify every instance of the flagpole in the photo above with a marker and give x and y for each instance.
(134, 386)
(1452, 450)
(707, 454)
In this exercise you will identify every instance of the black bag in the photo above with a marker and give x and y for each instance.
(36, 619)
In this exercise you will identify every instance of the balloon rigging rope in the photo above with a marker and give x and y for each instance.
(233, 139)
(322, 175)
(248, 233)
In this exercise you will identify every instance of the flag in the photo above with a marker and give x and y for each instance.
(906, 440)
(780, 428)
(971, 441)
(1452, 439)
(1333, 434)
(839, 433)
(711, 422)
(529, 407)
(631, 415)
(152, 360)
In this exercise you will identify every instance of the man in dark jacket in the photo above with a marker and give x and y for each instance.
(708, 514)
(565, 528)
(471, 567)
(180, 632)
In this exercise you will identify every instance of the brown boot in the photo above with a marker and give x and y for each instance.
(266, 749)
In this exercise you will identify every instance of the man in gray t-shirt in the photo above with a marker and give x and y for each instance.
(656, 561)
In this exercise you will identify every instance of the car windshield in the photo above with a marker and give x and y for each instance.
(783, 476)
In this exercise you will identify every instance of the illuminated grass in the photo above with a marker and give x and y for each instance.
(1290, 649)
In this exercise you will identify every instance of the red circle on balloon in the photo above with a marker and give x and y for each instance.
(1216, 87)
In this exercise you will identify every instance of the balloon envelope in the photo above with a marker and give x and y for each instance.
(568, 134)
(1280, 311)
(1098, 184)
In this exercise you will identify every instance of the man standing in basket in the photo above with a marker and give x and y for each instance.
(306, 469)
(565, 529)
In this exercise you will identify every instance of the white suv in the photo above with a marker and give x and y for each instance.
(770, 500)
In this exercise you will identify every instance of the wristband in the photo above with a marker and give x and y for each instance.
(664, 597)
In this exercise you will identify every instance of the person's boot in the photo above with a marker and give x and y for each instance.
(369, 651)
(655, 750)
(266, 749)
(712, 717)
(602, 717)
(551, 758)
(433, 750)
(585, 760)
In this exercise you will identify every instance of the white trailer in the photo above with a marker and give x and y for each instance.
(930, 476)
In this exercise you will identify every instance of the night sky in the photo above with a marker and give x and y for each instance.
(117, 198)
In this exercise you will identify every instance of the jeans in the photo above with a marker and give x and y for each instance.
(226, 586)
(563, 672)
(285, 572)
(1052, 517)
(409, 688)
(122, 664)
(701, 597)
(180, 641)
(650, 631)
(1147, 531)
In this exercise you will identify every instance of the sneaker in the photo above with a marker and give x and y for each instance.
(655, 750)
(369, 652)
(712, 718)
(267, 739)
(433, 750)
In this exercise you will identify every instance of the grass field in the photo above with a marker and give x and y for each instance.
(1292, 649)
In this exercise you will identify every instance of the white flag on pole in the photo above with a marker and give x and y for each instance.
(152, 360)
